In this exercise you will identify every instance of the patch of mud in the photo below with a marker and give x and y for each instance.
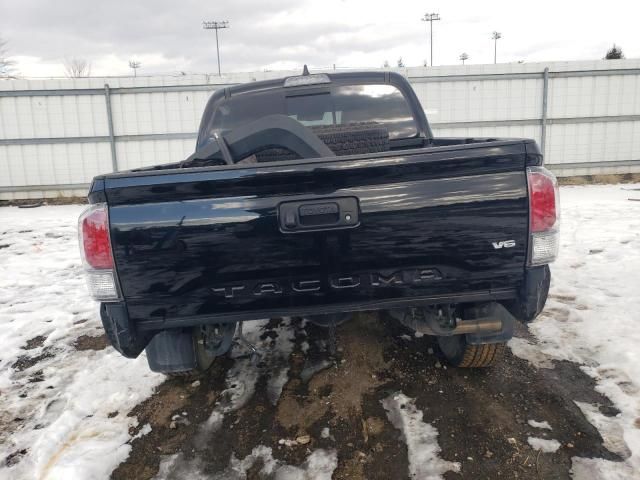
(159, 409)
(15, 457)
(360, 368)
(481, 416)
(26, 361)
(199, 400)
(35, 377)
(337, 391)
(35, 342)
(87, 342)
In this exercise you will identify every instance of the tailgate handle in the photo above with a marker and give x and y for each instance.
(324, 214)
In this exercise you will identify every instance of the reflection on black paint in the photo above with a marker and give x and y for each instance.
(412, 216)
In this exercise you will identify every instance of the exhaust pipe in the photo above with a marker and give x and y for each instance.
(484, 323)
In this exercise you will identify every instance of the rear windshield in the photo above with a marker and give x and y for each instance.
(338, 105)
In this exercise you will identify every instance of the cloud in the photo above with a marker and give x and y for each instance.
(167, 36)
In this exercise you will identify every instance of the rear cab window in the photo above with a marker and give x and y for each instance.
(383, 104)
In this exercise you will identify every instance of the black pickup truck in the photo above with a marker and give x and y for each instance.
(316, 196)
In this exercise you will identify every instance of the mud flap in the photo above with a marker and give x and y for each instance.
(171, 351)
(122, 334)
(532, 295)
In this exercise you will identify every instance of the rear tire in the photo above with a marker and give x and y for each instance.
(461, 354)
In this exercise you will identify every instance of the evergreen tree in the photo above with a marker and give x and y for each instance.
(614, 53)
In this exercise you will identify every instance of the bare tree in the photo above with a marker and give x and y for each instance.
(464, 56)
(6, 64)
(77, 67)
(386, 64)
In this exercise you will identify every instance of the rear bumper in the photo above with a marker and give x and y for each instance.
(469, 297)
(130, 338)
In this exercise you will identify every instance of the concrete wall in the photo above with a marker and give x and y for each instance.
(56, 134)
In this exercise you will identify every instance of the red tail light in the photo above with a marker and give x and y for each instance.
(544, 215)
(542, 199)
(96, 246)
(95, 250)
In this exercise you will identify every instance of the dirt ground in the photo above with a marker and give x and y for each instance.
(481, 415)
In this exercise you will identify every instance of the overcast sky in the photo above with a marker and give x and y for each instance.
(166, 36)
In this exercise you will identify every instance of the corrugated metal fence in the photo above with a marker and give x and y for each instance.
(55, 135)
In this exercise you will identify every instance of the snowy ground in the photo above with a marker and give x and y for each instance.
(63, 410)
(55, 414)
(592, 316)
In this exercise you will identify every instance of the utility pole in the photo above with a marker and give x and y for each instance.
(213, 25)
(135, 66)
(496, 36)
(431, 17)
(464, 56)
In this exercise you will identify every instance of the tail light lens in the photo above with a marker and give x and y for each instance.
(95, 251)
(95, 245)
(544, 215)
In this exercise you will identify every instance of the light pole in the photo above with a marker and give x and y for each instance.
(213, 25)
(495, 36)
(135, 66)
(431, 17)
(464, 56)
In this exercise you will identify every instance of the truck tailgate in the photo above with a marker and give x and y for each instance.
(432, 225)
